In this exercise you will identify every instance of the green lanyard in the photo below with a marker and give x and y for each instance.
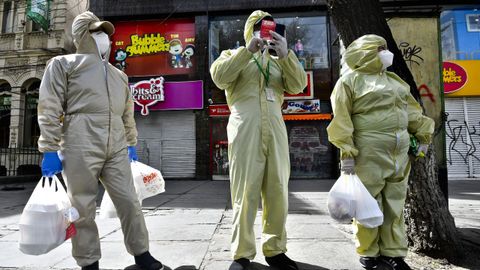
(265, 74)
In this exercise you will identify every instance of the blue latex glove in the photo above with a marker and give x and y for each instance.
(132, 153)
(51, 164)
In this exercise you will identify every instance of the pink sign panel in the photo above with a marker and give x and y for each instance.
(186, 95)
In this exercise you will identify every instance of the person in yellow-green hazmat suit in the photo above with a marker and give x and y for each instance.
(95, 103)
(374, 113)
(254, 82)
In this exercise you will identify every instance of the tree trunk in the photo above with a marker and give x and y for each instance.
(430, 226)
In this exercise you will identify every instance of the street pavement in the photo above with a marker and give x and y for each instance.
(190, 226)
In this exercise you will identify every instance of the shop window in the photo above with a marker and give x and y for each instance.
(306, 36)
(473, 22)
(7, 20)
(31, 129)
(5, 105)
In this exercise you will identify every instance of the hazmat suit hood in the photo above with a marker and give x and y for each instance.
(81, 26)
(362, 54)
(256, 16)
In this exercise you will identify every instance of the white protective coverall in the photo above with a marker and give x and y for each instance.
(257, 141)
(98, 125)
(374, 113)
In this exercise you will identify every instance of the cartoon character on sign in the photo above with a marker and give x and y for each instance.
(176, 52)
(121, 57)
(147, 93)
(187, 54)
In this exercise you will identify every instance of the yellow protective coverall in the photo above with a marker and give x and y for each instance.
(98, 125)
(257, 141)
(374, 113)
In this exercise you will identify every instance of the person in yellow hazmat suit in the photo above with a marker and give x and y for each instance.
(254, 83)
(96, 105)
(374, 113)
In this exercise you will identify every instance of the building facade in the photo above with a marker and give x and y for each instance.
(461, 66)
(26, 45)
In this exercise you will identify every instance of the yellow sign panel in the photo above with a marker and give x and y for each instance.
(467, 78)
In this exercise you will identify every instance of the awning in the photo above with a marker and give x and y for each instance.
(307, 117)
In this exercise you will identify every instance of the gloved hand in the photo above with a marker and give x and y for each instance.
(347, 166)
(422, 150)
(51, 164)
(279, 44)
(132, 153)
(255, 44)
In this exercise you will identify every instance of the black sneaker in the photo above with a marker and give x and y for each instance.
(93, 266)
(239, 264)
(395, 263)
(147, 262)
(369, 263)
(282, 262)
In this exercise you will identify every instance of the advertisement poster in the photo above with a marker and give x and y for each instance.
(152, 48)
(301, 106)
(307, 92)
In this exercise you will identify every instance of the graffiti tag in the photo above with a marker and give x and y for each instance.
(461, 136)
(411, 53)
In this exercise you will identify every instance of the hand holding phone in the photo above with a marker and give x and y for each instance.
(274, 34)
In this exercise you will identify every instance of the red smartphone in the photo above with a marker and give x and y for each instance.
(271, 26)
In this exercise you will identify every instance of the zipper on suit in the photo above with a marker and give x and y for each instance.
(109, 104)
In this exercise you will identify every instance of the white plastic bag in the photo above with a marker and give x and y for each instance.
(46, 220)
(147, 180)
(341, 200)
(349, 199)
(367, 211)
(107, 209)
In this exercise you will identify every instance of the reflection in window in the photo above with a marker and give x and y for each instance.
(306, 36)
(5, 105)
(31, 129)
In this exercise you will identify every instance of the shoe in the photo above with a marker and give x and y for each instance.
(239, 264)
(147, 262)
(282, 262)
(369, 263)
(395, 263)
(93, 266)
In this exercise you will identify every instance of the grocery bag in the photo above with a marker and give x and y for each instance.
(147, 180)
(46, 220)
(367, 211)
(341, 200)
(349, 198)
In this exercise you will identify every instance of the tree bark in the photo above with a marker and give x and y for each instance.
(430, 226)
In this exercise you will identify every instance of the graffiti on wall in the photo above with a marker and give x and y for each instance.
(420, 50)
(462, 140)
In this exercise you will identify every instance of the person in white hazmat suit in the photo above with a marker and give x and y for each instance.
(254, 83)
(98, 126)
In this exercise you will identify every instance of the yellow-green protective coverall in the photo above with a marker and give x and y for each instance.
(257, 141)
(374, 113)
(98, 125)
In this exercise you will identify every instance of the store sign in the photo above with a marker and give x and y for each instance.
(454, 77)
(147, 93)
(218, 110)
(147, 48)
(461, 79)
(301, 106)
(307, 92)
(157, 95)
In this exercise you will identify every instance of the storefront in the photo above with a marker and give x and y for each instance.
(462, 106)
(159, 58)
(306, 115)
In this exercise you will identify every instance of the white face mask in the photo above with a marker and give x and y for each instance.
(103, 42)
(256, 34)
(386, 57)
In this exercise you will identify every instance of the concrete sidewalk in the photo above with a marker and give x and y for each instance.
(189, 228)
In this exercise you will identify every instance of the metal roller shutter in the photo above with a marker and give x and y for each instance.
(166, 140)
(463, 137)
(473, 115)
